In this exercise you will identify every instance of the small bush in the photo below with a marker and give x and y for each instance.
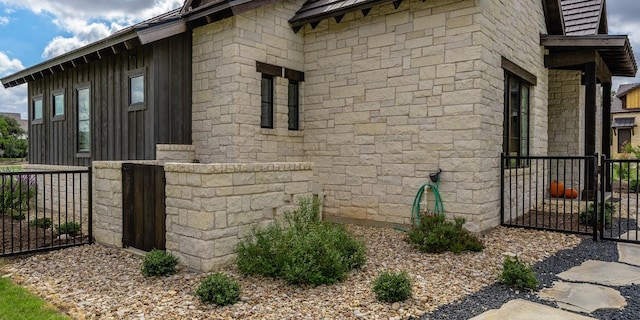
(17, 216)
(219, 289)
(302, 250)
(518, 275)
(634, 185)
(392, 287)
(586, 216)
(158, 263)
(41, 223)
(436, 234)
(70, 228)
(16, 191)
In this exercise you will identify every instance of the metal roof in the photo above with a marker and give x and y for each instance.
(624, 122)
(584, 17)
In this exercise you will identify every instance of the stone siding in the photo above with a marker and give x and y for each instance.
(227, 87)
(175, 153)
(210, 207)
(402, 92)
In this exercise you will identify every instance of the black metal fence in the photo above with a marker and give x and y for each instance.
(527, 198)
(619, 212)
(44, 210)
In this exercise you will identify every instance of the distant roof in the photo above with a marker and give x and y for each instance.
(616, 102)
(584, 17)
(624, 122)
(623, 89)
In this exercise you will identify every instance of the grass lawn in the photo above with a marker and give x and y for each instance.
(20, 304)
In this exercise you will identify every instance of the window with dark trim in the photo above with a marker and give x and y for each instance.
(36, 110)
(294, 105)
(624, 137)
(266, 109)
(137, 89)
(624, 102)
(58, 105)
(83, 104)
(516, 119)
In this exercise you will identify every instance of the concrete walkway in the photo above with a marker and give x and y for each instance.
(585, 289)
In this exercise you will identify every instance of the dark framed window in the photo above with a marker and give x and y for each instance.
(137, 89)
(36, 110)
(58, 105)
(83, 104)
(294, 105)
(624, 102)
(516, 117)
(266, 108)
(624, 137)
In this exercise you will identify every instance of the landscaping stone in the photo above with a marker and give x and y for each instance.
(605, 273)
(520, 309)
(583, 297)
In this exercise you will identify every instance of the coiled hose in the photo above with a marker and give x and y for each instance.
(438, 207)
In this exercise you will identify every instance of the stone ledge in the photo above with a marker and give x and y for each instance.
(237, 167)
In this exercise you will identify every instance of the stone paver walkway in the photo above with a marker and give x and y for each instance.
(588, 289)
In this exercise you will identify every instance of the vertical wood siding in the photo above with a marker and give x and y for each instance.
(116, 132)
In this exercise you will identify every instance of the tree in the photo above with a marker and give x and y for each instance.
(12, 141)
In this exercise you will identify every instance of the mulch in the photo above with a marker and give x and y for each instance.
(18, 236)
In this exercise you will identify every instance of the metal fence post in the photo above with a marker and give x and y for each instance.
(90, 200)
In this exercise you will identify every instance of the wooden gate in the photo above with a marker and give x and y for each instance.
(143, 206)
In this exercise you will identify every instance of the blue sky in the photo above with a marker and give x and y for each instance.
(33, 31)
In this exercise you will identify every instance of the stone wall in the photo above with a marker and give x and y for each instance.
(226, 86)
(63, 197)
(397, 94)
(175, 153)
(210, 207)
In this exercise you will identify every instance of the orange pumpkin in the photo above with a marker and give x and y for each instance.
(556, 189)
(570, 193)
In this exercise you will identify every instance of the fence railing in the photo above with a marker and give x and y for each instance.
(526, 200)
(44, 210)
(620, 211)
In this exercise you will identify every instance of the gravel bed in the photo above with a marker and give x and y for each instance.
(492, 297)
(97, 282)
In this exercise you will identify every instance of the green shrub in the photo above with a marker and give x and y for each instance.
(586, 216)
(436, 234)
(41, 223)
(518, 275)
(392, 287)
(70, 228)
(17, 216)
(634, 185)
(158, 263)
(302, 250)
(219, 289)
(15, 191)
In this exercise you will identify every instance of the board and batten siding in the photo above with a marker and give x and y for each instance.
(117, 132)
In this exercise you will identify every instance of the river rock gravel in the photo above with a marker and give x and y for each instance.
(98, 282)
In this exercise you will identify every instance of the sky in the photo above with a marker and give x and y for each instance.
(33, 31)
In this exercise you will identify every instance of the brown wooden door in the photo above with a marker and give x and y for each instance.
(143, 206)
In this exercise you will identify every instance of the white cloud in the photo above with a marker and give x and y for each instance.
(89, 21)
(4, 20)
(13, 99)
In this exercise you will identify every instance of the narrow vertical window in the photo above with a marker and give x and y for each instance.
(266, 110)
(58, 105)
(624, 137)
(136, 90)
(84, 120)
(516, 120)
(294, 105)
(36, 110)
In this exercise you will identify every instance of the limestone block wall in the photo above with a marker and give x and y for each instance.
(397, 94)
(566, 113)
(62, 197)
(524, 190)
(226, 86)
(107, 201)
(175, 153)
(210, 207)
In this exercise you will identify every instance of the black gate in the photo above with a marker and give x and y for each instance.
(44, 210)
(143, 213)
(619, 212)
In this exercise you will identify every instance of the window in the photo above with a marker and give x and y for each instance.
(624, 102)
(83, 104)
(294, 105)
(58, 105)
(266, 110)
(516, 119)
(36, 110)
(137, 92)
(624, 137)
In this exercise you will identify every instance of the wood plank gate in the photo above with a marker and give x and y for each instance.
(143, 207)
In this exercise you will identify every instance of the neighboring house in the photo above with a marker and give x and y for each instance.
(625, 113)
(377, 94)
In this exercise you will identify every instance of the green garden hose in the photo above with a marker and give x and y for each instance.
(438, 207)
